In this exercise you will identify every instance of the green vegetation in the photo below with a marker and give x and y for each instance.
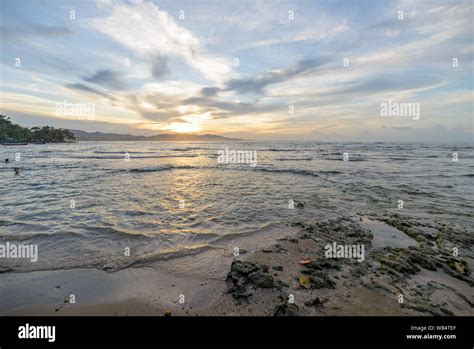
(10, 132)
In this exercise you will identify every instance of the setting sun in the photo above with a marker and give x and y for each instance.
(183, 127)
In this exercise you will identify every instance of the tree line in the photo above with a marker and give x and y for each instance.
(10, 132)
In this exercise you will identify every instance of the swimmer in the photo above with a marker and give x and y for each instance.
(17, 170)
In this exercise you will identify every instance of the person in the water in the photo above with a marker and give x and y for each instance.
(7, 160)
(17, 170)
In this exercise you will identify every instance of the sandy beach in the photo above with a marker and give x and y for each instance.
(261, 282)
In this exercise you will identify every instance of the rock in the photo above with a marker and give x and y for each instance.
(316, 302)
(458, 265)
(422, 260)
(318, 279)
(245, 276)
(305, 282)
(461, 267)
(286, 309)
(447, 311)
(109, 267)
(280, 248)
(322, 281)
(323, 264)
(280, 284)
(242, 268)
(399, 262)
(260, 279)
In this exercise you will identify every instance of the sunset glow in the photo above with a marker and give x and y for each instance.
(273, 70)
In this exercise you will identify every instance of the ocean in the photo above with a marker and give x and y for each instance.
(117, 205)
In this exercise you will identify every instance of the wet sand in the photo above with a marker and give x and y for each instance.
(291, 276)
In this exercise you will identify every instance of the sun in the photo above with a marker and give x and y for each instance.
(183, 127)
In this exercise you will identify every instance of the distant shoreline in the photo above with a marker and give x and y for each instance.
(166, 137)
(157, 140)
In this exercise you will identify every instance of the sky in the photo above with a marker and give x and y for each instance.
(259, 70)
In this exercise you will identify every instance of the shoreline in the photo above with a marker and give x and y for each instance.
(261, 281)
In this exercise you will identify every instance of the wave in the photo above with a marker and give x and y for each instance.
(277, 150)
(43, 237)
(179, 149)
(351, 159)
(137, 157)
(331, 172)
(294, 159)
(302, 172)
(159, 168)
(188, 149)
(11, 223)
(400, 159)
(198, 248)
(452, 175)
(166, 255)
(147, 251)
(248, 233)
(289, 171)
(114, 233)
(122, 152)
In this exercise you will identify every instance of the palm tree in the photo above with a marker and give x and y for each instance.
(44, 134)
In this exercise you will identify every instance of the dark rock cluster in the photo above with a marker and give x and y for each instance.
(244, 277)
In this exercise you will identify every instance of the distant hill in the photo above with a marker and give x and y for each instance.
(164, 137)
(11, 133)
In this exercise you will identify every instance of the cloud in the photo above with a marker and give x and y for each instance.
(405, 61)
(257, 85)
(209, 91)
(88, 90)
(106, 78)
(159, 66)
(317, 130)
(157, 101)
(225, 109)
(150, 32)
(398, 128)
(390, 82)
(305, 35)
(15, 32)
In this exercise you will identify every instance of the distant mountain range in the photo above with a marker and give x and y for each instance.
(164, 137)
